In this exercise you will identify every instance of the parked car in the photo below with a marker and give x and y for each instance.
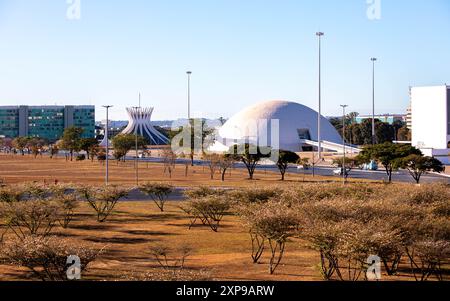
(373, 165)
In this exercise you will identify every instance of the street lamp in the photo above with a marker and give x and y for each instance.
(344, 169)
(189, 73)
(136, 161)
(319, 138)
(107, 144)
(373, 100)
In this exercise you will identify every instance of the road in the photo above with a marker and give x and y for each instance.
(380, 175)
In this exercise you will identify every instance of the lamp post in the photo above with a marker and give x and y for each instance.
(136, 161)
(344, 169)
(189, 73)
(107, 144)
(373, 100)
(319, 138)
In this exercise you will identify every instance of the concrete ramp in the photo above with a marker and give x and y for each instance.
(349, 149)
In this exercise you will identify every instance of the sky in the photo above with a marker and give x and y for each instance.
(241, 52)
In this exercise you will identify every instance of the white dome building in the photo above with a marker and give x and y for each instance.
(258, 124)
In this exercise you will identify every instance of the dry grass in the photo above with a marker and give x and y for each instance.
(19, 169)
(135, 227)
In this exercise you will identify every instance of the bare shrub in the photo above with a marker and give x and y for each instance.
(103, 200)
(428, 257)
(169, 160)
(31, 217)
(46, 257)
(159, 193)
(202, 192)
(67, 201)
(167, 258)
(275, 223)
(210, 210)
(255, 195)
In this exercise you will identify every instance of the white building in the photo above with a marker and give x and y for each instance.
(280, 125)
(430, 112)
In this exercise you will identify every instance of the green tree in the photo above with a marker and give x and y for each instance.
(417, 165)
(388, 154)
(284, 159)
(71, 140)
(20, 143)
(87, 144)
(123, 143)
(250, 155)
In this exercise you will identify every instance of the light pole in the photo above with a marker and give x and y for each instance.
(107, 144)
(344, 169)
(136, 161)
(373, 100)
(189, 73)
(319, 138)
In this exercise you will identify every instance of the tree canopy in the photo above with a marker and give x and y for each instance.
(388, 154)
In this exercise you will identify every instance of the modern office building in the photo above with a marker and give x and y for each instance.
(46, 122)
(430, 115)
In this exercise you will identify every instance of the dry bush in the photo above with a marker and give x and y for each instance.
(103, 200)
(33, 209)
(46, 257)
(394, 222)
(306, 193)
(67, 200)
(167, 258)
(210, 210)
(255, 195)
(202, 192)
(428, 257)
(159, 193)
(273, 222)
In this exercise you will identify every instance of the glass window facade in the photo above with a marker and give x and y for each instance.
(85, 118)
(9, 122)
(46, 122)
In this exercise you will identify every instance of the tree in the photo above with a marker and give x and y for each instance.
(284, 159)
(225, 162)
(103, 200)
(54, 150)
(404, 134)
(71, 140)
(210, 209)
(159, 193)
(199, 136)
(87, 144)
(169, 160)
(417, 165)
(46, 257)
(250, 155)
(20, 143)
(213, 163)
(388, 154)
(275, 223)
(123, 143)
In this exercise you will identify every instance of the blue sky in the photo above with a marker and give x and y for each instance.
(240, 51)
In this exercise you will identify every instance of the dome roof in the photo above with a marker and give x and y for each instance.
(296, 122)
